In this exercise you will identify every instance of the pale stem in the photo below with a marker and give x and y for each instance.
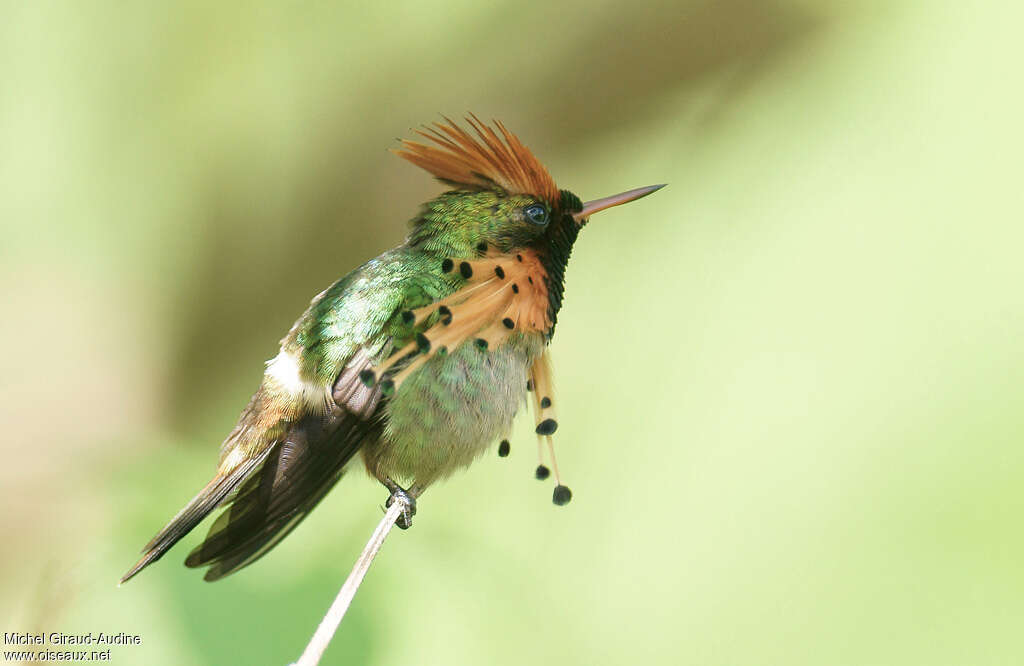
(329, 625)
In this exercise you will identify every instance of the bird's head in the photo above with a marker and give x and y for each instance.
(502, 195)
(503, 202)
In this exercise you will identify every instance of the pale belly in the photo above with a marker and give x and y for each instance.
(451, 410)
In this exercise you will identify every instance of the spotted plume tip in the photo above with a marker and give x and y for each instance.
(561, 496)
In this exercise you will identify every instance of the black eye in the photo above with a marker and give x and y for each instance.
(537, 214)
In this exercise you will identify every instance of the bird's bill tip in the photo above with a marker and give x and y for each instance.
(591, 207)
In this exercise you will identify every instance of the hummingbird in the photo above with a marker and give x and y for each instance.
(417, 361)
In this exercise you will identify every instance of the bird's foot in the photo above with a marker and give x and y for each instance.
(408, 500)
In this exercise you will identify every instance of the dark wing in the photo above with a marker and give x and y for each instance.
(298, 472)
(290, 482)
(269, 494)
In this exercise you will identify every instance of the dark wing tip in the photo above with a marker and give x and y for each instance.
(143, 562)
(190, 516)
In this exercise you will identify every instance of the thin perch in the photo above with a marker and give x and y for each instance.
(329, 625)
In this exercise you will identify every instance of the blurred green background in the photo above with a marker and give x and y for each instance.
(790, 383)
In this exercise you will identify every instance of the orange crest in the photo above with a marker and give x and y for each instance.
(484, 161)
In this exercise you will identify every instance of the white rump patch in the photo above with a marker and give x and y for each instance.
(283, 369)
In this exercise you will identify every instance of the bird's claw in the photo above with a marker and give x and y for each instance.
(408, 507)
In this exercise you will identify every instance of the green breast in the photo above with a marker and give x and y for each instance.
(452, 409)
